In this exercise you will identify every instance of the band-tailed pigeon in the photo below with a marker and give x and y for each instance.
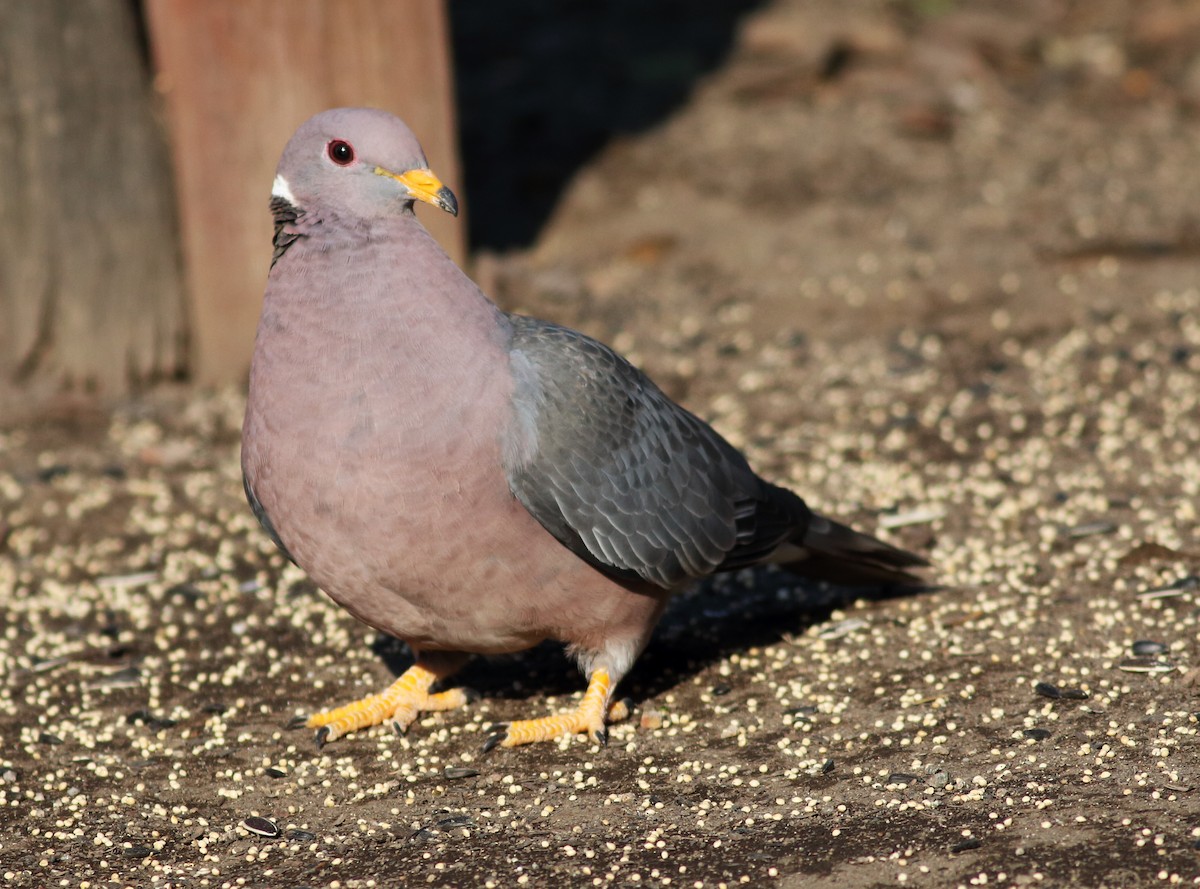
(473, 481)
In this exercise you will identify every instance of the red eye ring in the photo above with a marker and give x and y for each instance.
(340, 152)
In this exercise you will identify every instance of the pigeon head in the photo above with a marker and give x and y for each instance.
(358, 163)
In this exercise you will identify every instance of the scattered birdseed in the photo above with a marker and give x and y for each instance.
(457, 773)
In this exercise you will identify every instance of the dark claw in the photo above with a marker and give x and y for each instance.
(399, 729)
(600, 736)
(296, 722)
(321, 736)
(494, 740)
(471, 695)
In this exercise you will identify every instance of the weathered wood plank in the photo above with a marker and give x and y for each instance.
(90, 289)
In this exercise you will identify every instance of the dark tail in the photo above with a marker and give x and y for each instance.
(829, 550)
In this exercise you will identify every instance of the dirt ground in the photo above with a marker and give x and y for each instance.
(934, 265)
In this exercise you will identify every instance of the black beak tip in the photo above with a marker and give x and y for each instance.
(447, 201)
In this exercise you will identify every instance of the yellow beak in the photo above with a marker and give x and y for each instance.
(422, 185)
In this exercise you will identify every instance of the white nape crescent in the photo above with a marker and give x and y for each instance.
(281, 189)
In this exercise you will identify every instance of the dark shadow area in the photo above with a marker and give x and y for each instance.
(700, 628)
(541, 87)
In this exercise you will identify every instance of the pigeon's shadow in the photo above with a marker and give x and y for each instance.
(700, 628)
(541, 87)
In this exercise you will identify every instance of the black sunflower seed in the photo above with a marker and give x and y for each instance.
(1147, 647)
(264, 827)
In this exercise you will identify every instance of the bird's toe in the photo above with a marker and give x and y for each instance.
(398, 706)
(494, 740)
(618, 711)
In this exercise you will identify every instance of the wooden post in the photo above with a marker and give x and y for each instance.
(91, 300)
(239, 76)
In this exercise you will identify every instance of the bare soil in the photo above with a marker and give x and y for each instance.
(932, 264)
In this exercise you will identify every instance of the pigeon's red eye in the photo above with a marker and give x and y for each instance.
(340, 152)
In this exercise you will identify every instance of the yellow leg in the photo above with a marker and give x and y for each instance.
(590, 716)
(403, 700)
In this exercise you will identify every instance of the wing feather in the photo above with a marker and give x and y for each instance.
(626, 478)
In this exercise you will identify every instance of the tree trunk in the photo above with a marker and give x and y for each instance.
(90, 290)
(239, 76)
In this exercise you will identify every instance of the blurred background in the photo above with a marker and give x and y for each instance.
(144, 134)
(141, 139)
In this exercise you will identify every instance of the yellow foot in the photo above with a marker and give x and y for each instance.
(592, 716)
(400, 704)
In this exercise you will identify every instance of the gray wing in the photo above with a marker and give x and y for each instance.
(626, 478)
